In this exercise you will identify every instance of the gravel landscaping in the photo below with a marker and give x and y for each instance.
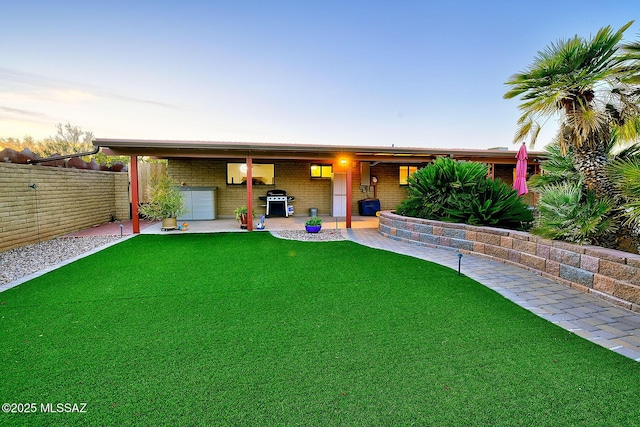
(19, 262)
(321, 236)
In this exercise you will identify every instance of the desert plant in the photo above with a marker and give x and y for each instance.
(586, 84)
(431, 186)
(313, 221)
(241, 211)
(490, 202)
(623, 216)
(413, 206)
(460, 191)
(165, 200)
(556, 168)
(568, 213)
(625, 173)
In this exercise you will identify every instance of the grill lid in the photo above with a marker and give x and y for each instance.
(276, 193)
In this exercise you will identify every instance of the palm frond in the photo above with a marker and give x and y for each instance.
(566, 213)
(570, 77)
(625, 173)
(629, 152)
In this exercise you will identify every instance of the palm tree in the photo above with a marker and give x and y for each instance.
(588, 85)
(568, 211)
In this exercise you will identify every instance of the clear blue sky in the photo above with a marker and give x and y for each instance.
(409, 73)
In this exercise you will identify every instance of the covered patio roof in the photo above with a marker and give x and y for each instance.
(257, 150)
(250, 151)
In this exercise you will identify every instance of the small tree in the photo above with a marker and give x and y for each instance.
(68, 140)
(165, 200)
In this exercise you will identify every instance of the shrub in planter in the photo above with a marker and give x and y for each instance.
(313, 224)
(567, 213)
(242, 216)
(491, 202)
(431, 187)
(460, 191)
(165, 200)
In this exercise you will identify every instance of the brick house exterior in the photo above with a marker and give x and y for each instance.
(205, 164)
(292, 176)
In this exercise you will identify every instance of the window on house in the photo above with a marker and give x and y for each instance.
(321, 171)
(405, 171)
(263, 173)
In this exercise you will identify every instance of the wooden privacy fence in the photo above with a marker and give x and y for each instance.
(145, 172)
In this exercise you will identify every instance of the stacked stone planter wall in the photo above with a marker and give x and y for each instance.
(608, 274)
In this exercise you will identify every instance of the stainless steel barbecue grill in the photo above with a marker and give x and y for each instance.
(278, 203)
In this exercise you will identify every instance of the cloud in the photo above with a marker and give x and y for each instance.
(144, 101)
(70, 95)
(22, 112)
(14, 76)
(37, 96)
(67, 91)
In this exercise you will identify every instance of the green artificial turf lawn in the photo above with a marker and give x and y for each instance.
(247, 329)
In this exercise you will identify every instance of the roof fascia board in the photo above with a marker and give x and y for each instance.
(205, 149)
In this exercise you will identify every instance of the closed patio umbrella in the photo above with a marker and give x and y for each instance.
(520, 184)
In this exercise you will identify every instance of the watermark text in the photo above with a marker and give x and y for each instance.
(47, 408)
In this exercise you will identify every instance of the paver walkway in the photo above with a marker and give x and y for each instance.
(608, 325)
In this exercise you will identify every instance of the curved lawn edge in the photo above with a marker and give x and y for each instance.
(605, 273)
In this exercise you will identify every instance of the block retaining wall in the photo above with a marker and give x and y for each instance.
(608, 274)
(63, 201)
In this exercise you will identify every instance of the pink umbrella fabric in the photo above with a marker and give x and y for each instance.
(520, 184)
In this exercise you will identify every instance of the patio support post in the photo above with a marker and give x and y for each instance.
(249, 194)
(536, 171)
(135, 219)
(349, 195)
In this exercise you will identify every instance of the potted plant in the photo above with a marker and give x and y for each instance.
(313, 224)
(166, 202)
(242, 214)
